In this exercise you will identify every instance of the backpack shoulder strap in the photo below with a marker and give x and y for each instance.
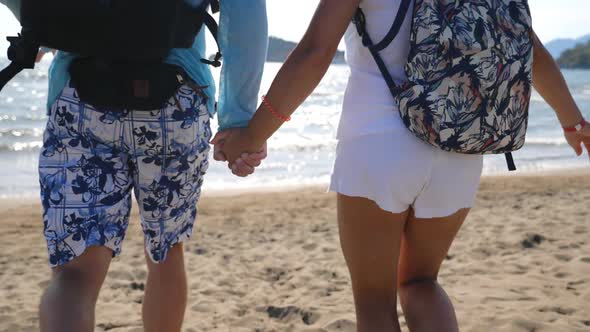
(510, 162)
(360, 22)
(9, 73)
(210, 23)
(396, 27)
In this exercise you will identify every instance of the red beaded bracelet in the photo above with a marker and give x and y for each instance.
(272, 111)
(576, 128)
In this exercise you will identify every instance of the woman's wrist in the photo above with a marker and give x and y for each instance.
(577, 127)
(254, 137)
(570, 120)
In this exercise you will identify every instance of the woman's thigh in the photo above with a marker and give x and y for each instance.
(370, 239)
(424, 245)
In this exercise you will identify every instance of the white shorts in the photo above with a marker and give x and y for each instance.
(398, 171)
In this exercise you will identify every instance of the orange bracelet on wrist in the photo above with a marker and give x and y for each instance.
(274, 112)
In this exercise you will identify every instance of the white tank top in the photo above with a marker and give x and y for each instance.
(368, 106)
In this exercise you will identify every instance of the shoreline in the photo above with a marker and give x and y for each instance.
(263, 189)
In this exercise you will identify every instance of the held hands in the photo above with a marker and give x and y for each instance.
(239, 150)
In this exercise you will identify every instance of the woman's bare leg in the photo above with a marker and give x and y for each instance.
(425, 245)
(370, 239)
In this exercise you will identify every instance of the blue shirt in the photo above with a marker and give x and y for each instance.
(243, 39)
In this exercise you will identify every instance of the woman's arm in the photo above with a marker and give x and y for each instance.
(299, 75)
(551, 85)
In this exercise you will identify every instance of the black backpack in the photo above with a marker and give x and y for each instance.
(114, 31)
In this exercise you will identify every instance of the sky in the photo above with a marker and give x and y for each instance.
(288, 19)
(552, 19)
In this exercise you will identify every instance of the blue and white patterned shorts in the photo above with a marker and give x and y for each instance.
(92, 159)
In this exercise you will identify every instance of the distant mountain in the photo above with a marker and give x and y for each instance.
(558, 46)
(279, 49)
(577, 57)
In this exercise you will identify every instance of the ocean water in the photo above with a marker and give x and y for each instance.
(301, 153)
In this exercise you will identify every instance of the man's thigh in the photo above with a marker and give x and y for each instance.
(171, 148)
(85, 181)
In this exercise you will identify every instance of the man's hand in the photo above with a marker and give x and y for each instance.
(241, 162)
(579, 139)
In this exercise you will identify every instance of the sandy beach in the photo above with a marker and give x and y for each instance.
(272, 262)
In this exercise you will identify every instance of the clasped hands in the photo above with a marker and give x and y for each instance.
(242, 152)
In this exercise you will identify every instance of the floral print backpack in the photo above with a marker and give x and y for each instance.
(469, 73)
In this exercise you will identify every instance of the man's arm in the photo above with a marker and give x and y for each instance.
(13, 5)
(243, 39)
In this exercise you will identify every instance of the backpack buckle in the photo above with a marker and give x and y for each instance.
(360, 22)
(215, 62)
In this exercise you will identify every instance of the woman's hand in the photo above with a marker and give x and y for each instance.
(577, 140)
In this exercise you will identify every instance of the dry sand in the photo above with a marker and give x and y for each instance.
(272, 262)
